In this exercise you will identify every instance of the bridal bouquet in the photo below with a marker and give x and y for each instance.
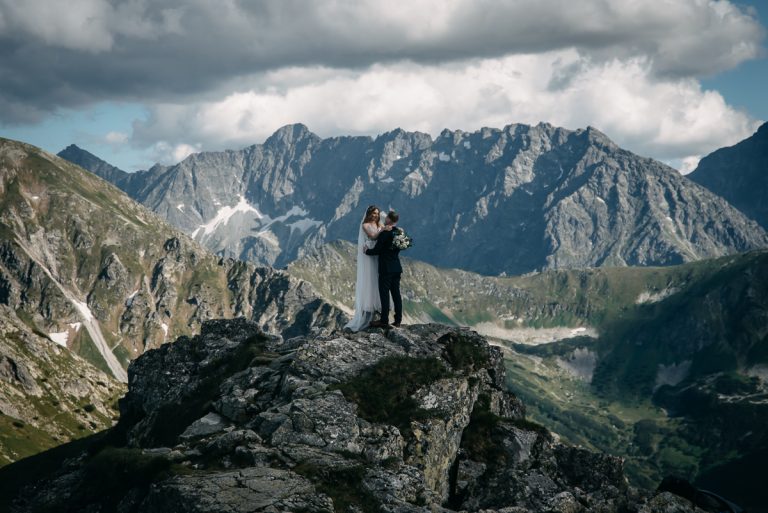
(401, 240)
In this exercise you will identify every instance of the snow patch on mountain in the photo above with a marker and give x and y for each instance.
(672, 374)
(82, 307)
(270, 237)
(60, 338)
(304, 224)
(129, 299)
(655, 297)
(224, 214)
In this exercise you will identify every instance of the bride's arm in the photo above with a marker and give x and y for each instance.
(371, 231)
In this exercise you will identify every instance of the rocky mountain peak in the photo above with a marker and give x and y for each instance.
(413, 419)
(88, 160)
(596, 136)
(74, 148)
(290, 134)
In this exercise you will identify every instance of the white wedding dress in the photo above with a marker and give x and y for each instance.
(367, 301)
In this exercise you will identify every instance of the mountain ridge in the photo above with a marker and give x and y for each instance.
(739, 173)
(522, 198)
(100, 250)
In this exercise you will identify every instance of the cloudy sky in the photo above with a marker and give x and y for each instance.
(141, 81)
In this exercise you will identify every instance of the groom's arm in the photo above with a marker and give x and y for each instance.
(381, 244)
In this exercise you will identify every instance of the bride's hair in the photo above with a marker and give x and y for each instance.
(369, 213)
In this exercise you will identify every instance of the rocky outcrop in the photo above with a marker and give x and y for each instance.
(413, 419)
(510, 200)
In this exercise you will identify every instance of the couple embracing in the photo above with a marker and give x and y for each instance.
(378, 270)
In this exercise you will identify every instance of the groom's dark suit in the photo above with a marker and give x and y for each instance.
(390, 271)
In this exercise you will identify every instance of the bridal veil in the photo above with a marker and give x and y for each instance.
(367, 301)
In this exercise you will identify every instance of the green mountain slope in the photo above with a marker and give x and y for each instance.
(507, 306)
(82, 262)
(48, 395)
(87, 271)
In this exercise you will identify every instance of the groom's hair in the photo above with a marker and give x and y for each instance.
(393, 216)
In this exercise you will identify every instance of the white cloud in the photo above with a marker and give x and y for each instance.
(226, 74)
(166, 153)
(116, 138)
(688, 164)
(86, 25)
(681, 36)
(670, 118)
(73, 53)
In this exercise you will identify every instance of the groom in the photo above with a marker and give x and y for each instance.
(390, 271)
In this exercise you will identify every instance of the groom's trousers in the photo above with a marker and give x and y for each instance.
(389, 283)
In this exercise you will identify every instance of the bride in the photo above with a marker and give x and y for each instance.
(367, 302)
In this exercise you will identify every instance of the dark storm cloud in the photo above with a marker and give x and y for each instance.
(67, 54)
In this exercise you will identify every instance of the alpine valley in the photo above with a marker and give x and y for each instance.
(612, 303)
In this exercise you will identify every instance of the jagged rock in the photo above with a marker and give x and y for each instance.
(666, 502)
(335, 422)
(239, 491)
(16, 373)
(436, 440)
(206, 425)
(173, 388)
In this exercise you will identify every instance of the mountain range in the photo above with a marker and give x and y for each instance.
(494, 201)
(657, 359)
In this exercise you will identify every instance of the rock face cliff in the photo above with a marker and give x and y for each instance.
(99, 274)
(415, 419)
(508, 200)
(739, 174)
(85, 270)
